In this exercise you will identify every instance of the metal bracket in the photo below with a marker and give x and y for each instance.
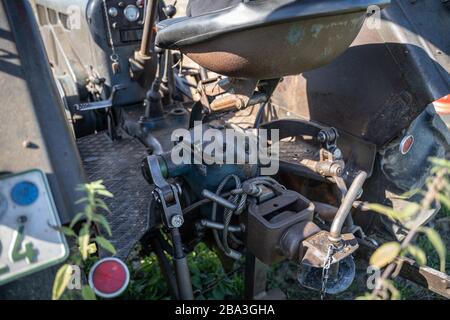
(317, 247)
(167, 195)
(100, 104)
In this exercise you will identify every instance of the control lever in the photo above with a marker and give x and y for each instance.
(167, 195)
(100, 104)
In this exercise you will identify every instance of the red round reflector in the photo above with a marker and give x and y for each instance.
(109, 277)
(406, 144)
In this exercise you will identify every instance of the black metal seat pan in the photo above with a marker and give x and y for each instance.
(185, 31)
(290, 25)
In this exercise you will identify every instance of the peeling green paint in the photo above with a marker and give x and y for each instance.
(315, 29)
(296, 34)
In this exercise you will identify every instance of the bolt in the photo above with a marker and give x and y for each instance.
(170, 10)
(177, 221)
(22, 219)
(337, 153)
(322, 136)
(336, 170)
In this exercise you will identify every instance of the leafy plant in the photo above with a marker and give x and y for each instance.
(386, 256)
(209, 279)
(89, 222)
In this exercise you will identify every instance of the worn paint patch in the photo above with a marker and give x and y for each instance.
(315, 29)
(295, 35)
(327, 51)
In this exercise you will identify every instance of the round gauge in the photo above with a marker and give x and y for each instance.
(132, 13)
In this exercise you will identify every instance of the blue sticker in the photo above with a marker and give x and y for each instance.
(24, 193)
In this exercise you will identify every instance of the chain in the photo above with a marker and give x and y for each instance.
(325, 270)
(114, 56)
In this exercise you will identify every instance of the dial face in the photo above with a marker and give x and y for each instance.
(131, 13)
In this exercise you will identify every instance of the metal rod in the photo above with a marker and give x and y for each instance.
(147, 37)
(181, 267)
(346, 205)
(214, 197)
(255, 277)
(327, 211)
(219, 226)
(203, 74)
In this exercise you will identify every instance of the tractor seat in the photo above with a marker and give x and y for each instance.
(265, 39)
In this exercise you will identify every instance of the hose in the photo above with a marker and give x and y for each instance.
(165, 267)
(223, 245)
(346, 205)
(238, 197)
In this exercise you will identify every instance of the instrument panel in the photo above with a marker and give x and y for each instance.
(125, 20)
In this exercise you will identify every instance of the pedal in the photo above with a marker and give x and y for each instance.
(100, 104)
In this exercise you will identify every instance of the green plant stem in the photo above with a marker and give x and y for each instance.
(433, 189)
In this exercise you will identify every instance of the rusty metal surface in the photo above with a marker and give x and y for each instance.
(358, 154)
(268, 221)
(424, 276)
(317, 248)
(384, 80)
(294, 47)
(295, 150)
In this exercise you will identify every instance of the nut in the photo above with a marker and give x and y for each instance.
(177, 221)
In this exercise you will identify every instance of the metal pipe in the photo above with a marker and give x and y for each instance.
(257, 99)
(218, 199)
(203, 74)
(346, 205)
(181, 267)
(147, 37)
(153, 143)
(219, 226)
(327, 211)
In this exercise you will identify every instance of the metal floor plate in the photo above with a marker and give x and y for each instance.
(117, 163)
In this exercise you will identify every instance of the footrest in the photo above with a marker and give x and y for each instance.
(117, 163)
